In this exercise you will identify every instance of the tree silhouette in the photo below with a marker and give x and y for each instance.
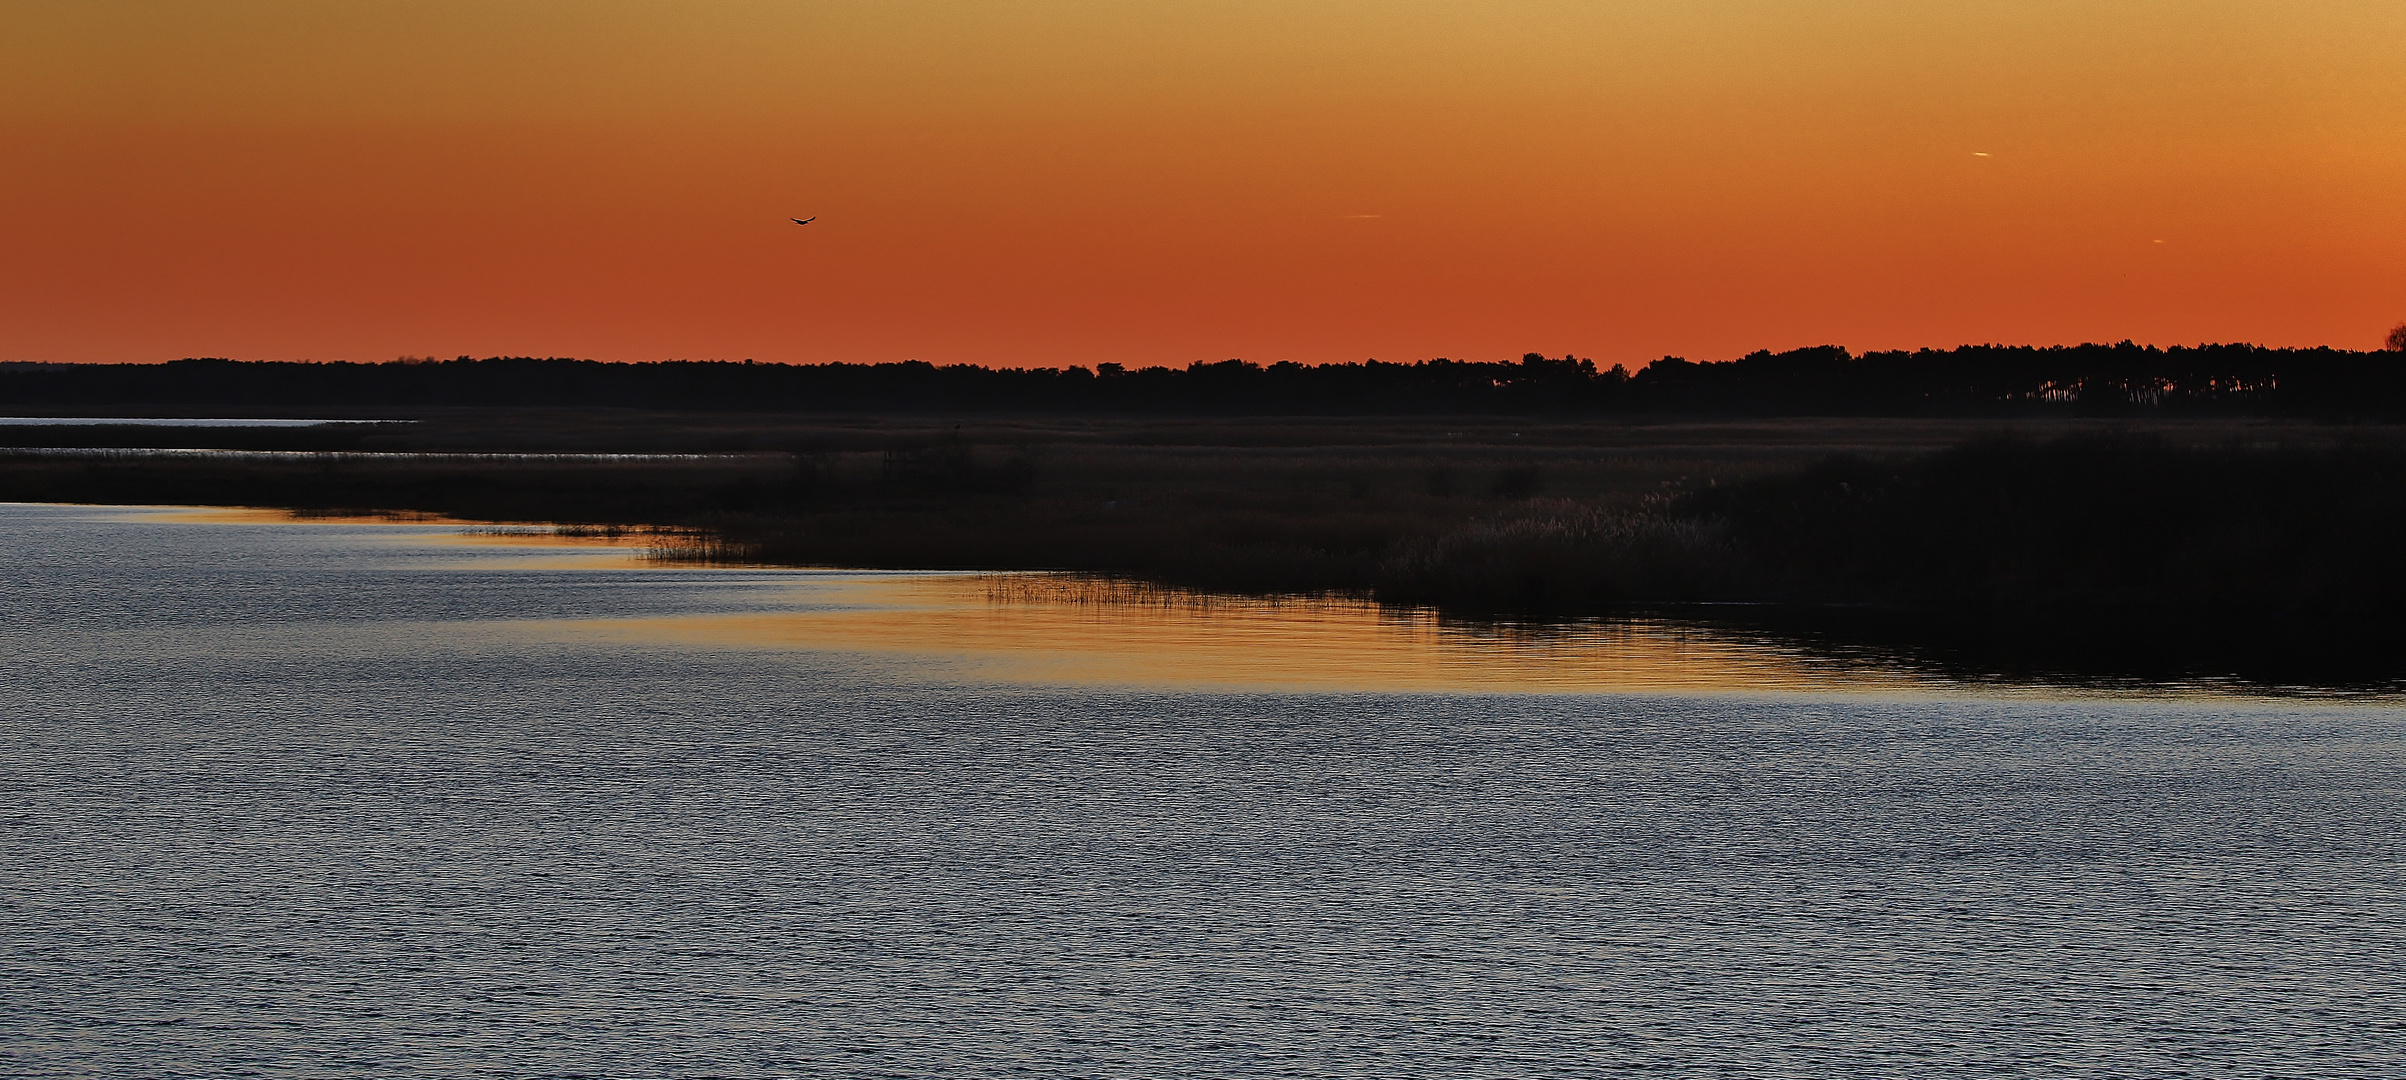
(2396, 341)
(2089, 379)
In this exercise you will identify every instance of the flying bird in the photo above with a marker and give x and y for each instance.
(806, 220)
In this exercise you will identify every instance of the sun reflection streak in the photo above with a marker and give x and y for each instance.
(1063, 629)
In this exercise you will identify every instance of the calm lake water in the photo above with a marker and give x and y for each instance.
(174, 421)
(323, 799)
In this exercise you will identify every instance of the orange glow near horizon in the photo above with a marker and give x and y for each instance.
(1033, 182)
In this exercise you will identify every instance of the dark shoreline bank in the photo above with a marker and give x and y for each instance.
(2167, 551)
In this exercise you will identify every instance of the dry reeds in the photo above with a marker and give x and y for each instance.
(2199, 546)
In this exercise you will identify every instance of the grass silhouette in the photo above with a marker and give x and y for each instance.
(2249, 549)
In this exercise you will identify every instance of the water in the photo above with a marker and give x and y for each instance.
(385, 800)
(175, 421)
(125, 453)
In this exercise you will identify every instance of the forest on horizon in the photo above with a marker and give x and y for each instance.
(1972, 380)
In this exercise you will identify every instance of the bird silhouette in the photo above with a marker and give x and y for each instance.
(806, 220)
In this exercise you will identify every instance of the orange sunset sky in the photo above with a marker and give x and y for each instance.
(1026, 182)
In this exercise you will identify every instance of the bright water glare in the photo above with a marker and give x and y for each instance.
(303, 800)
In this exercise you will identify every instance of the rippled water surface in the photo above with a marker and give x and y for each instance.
(385, 800)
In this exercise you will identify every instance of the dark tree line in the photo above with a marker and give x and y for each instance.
(1827, 380)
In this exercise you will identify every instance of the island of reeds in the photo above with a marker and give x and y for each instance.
(2105, 510)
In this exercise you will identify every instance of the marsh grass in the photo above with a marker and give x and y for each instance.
(1107, 592)
(1564, 556)
(2169, 548)
(2167, 556)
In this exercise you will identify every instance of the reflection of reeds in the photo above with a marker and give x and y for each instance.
(395, 517)
(695, 549)
(596, 532)
(1109, 591)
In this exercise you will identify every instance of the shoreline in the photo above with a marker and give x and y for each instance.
(2166, 551)
(1089, 629)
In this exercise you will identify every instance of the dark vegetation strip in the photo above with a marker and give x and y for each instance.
(1973, 380)
(2118, 553)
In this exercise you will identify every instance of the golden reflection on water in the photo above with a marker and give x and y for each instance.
(1053, 628)
(1056, 629)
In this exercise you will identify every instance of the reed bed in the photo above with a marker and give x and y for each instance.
(2255, 548)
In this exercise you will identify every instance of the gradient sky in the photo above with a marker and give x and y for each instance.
(1060, 181)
